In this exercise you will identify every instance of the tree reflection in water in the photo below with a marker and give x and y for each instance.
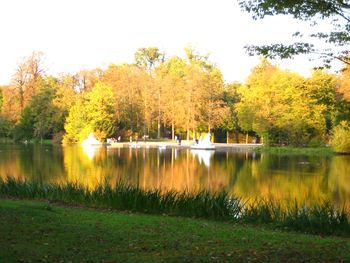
(244, 174)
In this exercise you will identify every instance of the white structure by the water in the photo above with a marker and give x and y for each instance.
(91, 141)
(204, 144)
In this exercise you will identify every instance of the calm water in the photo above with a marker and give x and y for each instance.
(249, 175)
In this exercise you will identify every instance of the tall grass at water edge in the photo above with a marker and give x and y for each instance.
(318, 219)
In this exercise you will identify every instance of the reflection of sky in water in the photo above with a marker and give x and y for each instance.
(203, 156)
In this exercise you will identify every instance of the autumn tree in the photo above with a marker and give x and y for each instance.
(5, 124)
(230, 122)
(197, 75)
(94, 112)
(213, 107)
(27, 79)
(342, 96)
(344, 83)
(85, 79)
(149, 58)
(321, 88)
(133, 92)
(1, 99)
(171, 76)
(277, 105)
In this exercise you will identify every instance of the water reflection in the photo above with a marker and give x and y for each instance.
(90, 150)
(249, 175)
(203, 156)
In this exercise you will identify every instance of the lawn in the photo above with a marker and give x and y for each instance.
(38, 231)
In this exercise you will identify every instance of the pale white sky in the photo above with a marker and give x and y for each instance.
(85, 34)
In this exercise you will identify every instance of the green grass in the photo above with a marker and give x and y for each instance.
(310, 151)
(38, 141)
(37, 231)
(319, 219)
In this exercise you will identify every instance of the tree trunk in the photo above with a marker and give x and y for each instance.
(246, 138)
(158, 130)
(172, 131)
(227, 136)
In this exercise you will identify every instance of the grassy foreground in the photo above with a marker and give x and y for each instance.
(322, 219)
(37, 231)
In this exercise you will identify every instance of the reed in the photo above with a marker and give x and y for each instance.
(318, 219)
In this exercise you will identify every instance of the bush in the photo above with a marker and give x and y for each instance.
(340, 140)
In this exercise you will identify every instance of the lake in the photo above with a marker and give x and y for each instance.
(306, 179)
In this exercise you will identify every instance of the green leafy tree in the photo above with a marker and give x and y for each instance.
(77, 125)
(321, 87)
(334, 12)
(276, 104)
(40, 118)
(99, 105)
(95, 112)
(340, 140)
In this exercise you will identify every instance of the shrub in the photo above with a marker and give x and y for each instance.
(340, 140)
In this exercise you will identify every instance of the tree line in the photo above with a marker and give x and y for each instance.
(160, 96)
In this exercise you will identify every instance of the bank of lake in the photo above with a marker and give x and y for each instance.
(33, 231)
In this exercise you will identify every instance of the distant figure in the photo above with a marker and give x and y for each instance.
(175, 138)
(130, 138)
(179, 139)
(119, 138)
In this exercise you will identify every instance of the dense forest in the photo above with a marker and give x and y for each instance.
(160, 96)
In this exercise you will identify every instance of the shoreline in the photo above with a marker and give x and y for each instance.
(184, 145)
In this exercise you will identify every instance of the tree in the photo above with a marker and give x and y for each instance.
(77, 124)
(231, 98)
(344, 84)
(213, 107)
(127, 83)
(1, 99)
(28, 77)
(321, 87)
(40, 118)
(148, 58)
(94, 112)
(278, 106)
(99, 105)
(85, 80)
(335, 12)
(195, 80)
(171, 76)
(340, 140)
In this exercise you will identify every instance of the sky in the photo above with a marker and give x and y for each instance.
(85, 34)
